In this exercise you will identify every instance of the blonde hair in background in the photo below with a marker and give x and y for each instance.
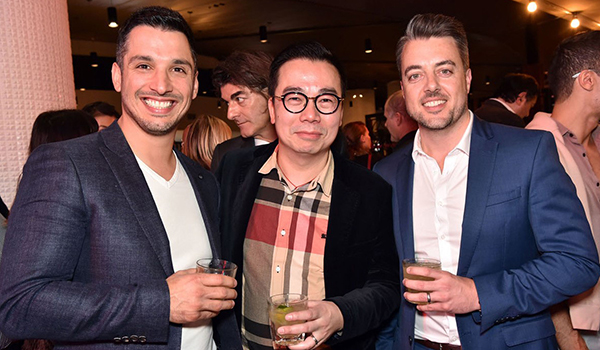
(202, 136)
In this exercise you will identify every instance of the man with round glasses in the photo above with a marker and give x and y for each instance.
(299, 218)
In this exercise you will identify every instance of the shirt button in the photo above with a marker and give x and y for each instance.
(443, 237)
(278, 269)
(289, 197)
(283, 232)
(584, 154)
(571, 134)
(440, 203)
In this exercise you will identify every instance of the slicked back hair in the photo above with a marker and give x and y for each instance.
(312, 51)
(244, 68)
(155, 17)
(574, 54)
(429, 25)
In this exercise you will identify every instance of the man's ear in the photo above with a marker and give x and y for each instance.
(585, 80)
(116, 76)
(271, 110)
(398, 118)
(521, 98)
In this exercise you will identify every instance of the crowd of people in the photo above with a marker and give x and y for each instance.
(106, 226)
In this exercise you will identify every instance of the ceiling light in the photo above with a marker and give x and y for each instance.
(112, 17)
(94, 59)
(368, 48)
(532, 6)
(575, 22)
(262, 32)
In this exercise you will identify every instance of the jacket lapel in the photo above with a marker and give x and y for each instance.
(124, 166)
(482, 158)
(344, 207)
(403, 204)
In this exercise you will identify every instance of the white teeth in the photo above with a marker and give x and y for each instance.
(433, 103)
(158, 104)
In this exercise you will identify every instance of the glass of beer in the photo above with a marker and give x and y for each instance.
(216, 266)
(419, 262)
(279, 306)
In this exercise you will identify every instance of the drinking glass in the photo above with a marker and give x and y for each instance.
(281, 305)
(216, 266)
(420, 262)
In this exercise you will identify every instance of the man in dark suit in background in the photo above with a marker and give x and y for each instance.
(492, 203)
(300, 218)
(401, 126)
(242, 80)
(511, 102)
(101, 223)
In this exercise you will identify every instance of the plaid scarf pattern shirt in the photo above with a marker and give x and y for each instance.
(284, 246)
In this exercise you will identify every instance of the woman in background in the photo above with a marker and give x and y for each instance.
(202, 136)
(359, 144)
(52, 126)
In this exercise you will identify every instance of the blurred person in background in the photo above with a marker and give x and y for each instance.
(359, 144)
(202, 136)
(61, 125)
(52, 126)
(104, 113)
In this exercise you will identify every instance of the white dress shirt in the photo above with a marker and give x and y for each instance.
(438, 210)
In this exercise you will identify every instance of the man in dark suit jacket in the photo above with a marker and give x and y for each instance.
(511, 102)
(492, 203)
(242, 80)
(329, 218)
(94, 239)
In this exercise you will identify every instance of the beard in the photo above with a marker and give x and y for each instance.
(158, 125)
(441, 122)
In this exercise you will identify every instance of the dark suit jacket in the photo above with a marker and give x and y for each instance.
(495, 112)
(361, 267)
(525, 239)
(229, 145)
(86, 255)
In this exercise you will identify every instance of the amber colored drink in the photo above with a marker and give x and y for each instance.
(420, 262)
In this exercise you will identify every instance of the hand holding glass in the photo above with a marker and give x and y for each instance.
(419, 262)
(279, 306)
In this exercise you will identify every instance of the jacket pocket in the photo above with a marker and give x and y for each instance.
(498, 198)
(531, 330)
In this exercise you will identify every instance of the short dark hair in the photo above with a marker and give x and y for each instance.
(243, 68)
(155, 17)
(515, 83)
(429, 25)
(312, 51)
(574, 54)
(64, 124)
(102, 108)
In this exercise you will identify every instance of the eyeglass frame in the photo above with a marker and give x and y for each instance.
(314, 98)
(579, 73)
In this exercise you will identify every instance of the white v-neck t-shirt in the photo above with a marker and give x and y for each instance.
(188, 238)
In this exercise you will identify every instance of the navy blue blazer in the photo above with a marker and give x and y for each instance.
(86, 255)
(525, 239)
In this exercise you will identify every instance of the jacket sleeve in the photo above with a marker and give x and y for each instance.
(42, 294)
(567, 262)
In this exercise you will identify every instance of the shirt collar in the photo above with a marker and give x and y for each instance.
(324, 180)
(503, 103)
(464, 145)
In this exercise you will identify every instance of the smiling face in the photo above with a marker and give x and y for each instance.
(248, 109)
(434, 82)
(157, 80)
(308, 133)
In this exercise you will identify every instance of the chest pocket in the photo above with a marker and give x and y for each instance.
(502, 197)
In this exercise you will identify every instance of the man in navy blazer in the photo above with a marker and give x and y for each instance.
(492, 203)
(96, 236)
